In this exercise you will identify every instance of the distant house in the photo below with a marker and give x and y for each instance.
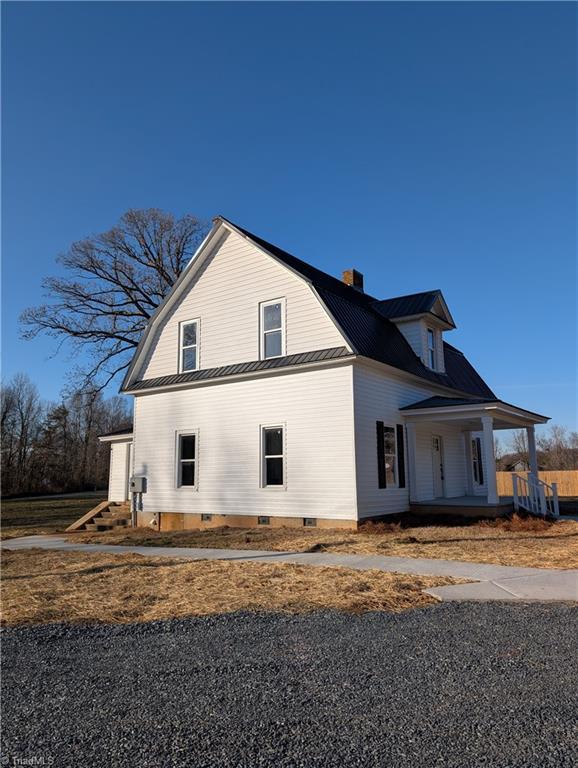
(517, 462)
(267, 392)
(519, 465)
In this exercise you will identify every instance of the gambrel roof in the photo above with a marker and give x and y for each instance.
(361, 318)
(372, 334)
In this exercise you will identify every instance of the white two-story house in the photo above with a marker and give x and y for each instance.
(267, 392)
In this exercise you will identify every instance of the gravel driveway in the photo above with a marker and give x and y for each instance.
(463, 685)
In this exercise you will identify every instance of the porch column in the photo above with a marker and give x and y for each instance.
(490, 459)
(532, 457)
(411, 460)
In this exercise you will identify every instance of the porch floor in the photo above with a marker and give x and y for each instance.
(465, 501)
(464, 506)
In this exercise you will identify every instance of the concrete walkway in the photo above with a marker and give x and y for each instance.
(491, 582)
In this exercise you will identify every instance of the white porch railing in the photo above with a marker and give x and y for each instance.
(535, 496)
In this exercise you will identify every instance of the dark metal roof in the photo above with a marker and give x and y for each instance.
(446, 402)
(232, 370)
(125, 431)
(373, 335)
(409, 306)
(462, 374)
(316, 276)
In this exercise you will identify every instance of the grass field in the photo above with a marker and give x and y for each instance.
(529, 542)
(24, 517)
(77, 587)
(520, 541)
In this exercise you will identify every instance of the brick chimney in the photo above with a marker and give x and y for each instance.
(353, 278)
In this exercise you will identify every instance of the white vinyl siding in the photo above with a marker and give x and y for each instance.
(314, 406)
(120, 453)
(225, 295)
(378, 397)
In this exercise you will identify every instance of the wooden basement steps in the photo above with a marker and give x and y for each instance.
(104, 517)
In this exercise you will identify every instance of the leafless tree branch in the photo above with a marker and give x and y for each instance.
(114, 282)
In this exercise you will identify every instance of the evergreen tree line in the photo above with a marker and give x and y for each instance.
(54, 447)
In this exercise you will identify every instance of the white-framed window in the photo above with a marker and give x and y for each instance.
(390, 456)
(189, 346)
(431, 348)
(273, 456)
(272, 323)
(477, 465)
(187, 464)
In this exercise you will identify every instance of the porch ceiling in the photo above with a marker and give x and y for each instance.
(467, 413)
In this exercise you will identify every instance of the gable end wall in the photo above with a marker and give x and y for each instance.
(225, 296)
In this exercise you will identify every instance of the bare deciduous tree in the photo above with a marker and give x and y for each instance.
(54, 447)
(559, 448)
(21, 418)
(520, 443)
(114, 283)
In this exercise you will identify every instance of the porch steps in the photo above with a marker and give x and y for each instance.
(104, 517)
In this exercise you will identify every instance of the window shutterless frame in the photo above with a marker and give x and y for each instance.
(187, 459)
(272, 329)
(189, 344)
(477, 465)
(431, 348)
(272, 452)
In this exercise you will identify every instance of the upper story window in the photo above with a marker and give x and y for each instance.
(272, 329)
(189, 346)
(431, 348)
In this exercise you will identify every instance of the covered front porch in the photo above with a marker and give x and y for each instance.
(451, 459)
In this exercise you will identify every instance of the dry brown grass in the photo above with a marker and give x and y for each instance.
(25, 517)
(529, 542)
(48, 586)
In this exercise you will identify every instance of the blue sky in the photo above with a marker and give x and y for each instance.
(428, 145)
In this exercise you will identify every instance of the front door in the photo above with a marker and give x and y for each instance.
(438, 466)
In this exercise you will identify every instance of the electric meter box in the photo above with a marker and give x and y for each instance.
(138, 485)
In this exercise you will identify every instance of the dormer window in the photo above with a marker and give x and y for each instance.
(431, 348)
(272, 329)
(189, 346)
